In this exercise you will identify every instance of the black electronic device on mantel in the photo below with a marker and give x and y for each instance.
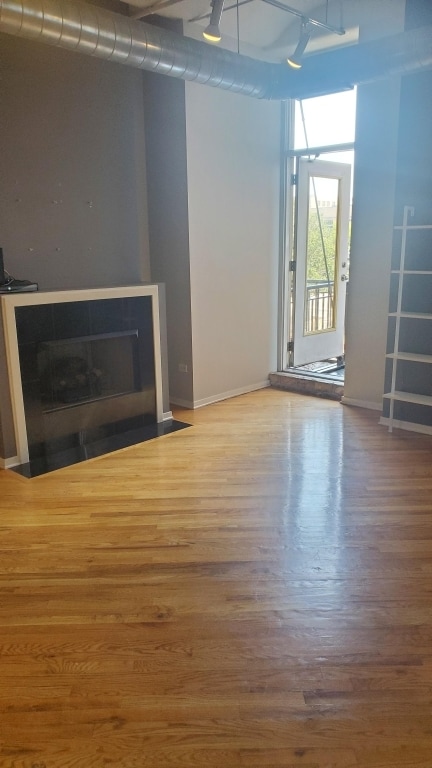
(8, 284)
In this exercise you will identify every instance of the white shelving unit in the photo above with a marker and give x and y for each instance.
(404, 408)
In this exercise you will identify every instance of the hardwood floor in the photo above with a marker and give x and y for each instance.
(253, 592)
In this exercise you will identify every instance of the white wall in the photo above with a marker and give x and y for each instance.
(372, 228)
(233, 191)
(372, 233)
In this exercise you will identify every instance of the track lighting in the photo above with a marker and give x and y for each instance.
(212, 32)
(305, 33)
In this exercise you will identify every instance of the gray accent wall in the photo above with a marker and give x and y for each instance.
(73, 207)
(164, 100)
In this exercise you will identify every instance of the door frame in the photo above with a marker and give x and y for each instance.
(323, 344)
(288, 205)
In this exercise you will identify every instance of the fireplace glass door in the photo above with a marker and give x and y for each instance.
(87, 371)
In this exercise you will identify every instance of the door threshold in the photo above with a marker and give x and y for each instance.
(332, 368)
(330, 374)
(316, 385)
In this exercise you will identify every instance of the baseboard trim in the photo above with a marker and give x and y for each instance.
(231, 393)
(12, 461)
(182, 403)
(222, 396)
(167, 416)
(371, 406)
(423, 429)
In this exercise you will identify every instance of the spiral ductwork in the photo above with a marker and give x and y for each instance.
(97, 32)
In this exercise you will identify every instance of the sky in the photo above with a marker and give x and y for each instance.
(329, 120)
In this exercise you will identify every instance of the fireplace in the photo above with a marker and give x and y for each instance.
(83, 368)
(88, 368)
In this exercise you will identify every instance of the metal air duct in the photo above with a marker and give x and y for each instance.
(97, 32)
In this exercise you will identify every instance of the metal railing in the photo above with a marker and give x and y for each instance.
(319, 311)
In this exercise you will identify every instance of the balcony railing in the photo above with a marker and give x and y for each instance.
(319, 312)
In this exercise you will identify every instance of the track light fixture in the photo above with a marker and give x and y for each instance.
(212, 32)
(295, 61)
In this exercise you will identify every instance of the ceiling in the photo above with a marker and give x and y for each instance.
(258, 29)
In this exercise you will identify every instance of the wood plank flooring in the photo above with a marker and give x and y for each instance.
(253, 592)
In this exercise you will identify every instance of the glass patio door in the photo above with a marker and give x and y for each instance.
(321, 274)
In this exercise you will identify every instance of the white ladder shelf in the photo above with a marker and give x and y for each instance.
(396, 395)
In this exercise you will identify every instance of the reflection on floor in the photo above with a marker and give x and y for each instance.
(89, 450)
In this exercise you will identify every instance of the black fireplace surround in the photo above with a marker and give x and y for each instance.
(88, 378)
